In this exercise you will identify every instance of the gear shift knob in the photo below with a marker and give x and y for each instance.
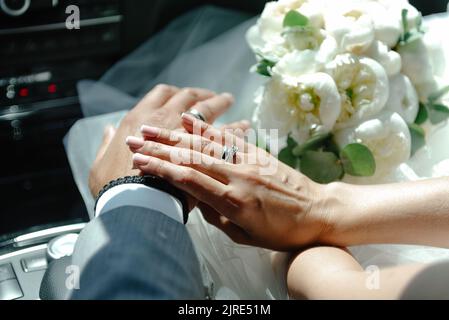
(62, 246)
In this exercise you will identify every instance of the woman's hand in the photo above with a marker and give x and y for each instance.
(162, 107)
(256, 201)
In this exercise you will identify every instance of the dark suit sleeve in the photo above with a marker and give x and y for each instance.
(136, 253)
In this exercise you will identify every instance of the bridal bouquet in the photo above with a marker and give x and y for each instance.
(352, 85)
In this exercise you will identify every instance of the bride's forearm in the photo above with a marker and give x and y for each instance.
(409, 213)
(332, 273)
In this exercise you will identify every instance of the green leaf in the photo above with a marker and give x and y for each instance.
(314, 143)
(438, 113)
(264, 67)
(419, 25)
(418, 136)
(321, 167)
(332, 146)
(437, 95)
(295, 19)
(291, 143)
(410, 35)
(287, 157)
(404, 15)
(358, 160)
(423, 114)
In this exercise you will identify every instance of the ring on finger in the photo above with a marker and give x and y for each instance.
(197, 114)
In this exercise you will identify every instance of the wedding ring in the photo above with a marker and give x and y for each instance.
(229, 153)
(195, 113)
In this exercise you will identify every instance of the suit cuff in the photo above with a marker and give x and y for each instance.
(139, 195)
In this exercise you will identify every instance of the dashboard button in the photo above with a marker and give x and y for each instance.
(6, 272)
(15, 7)
(10, 290)
(34, 264)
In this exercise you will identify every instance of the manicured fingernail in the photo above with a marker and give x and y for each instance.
(135, 142)
(151, 132)
(229, 96)
(187, 118)
(141, 159)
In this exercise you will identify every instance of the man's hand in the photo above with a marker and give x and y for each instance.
(163, 107)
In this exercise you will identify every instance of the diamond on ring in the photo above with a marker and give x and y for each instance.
(229, 153)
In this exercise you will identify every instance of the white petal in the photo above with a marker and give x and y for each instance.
(297, 63)
(388, 30)
(327, 51)
(417, 66)
(352, 36)
(254, 39)
(325, 88)
(273, 111)
(350, 71)
(278, 111)
(390, 60)
(387, 137)
(403, 98)
(387, 22)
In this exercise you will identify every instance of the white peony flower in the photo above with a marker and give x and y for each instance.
(387, 24)
(270, 23)
(298, 105)
(389, 59)
(271, 50)
(298, 63)
(395, 7)
(437, 49)
(348, 22)
(403, 98)
(272, 41)
(363, 86)
(416, 65)
(388, 138)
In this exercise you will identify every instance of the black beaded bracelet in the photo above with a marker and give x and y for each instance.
(153, 182)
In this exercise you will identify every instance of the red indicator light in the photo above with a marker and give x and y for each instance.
(52, 88)
(24, 92)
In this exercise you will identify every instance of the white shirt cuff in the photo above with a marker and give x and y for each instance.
(139, 195)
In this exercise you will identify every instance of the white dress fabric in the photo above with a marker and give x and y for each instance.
(211, 52)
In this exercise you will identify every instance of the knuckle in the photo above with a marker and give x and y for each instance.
(163, 88)
(189, 92)
(159, 116)
(153, 147)
(251, 174)
(158, 166)
(205, 145)
(187, 176)
(166, 135)
(246, 200)
(202, 105)
(235, 197)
